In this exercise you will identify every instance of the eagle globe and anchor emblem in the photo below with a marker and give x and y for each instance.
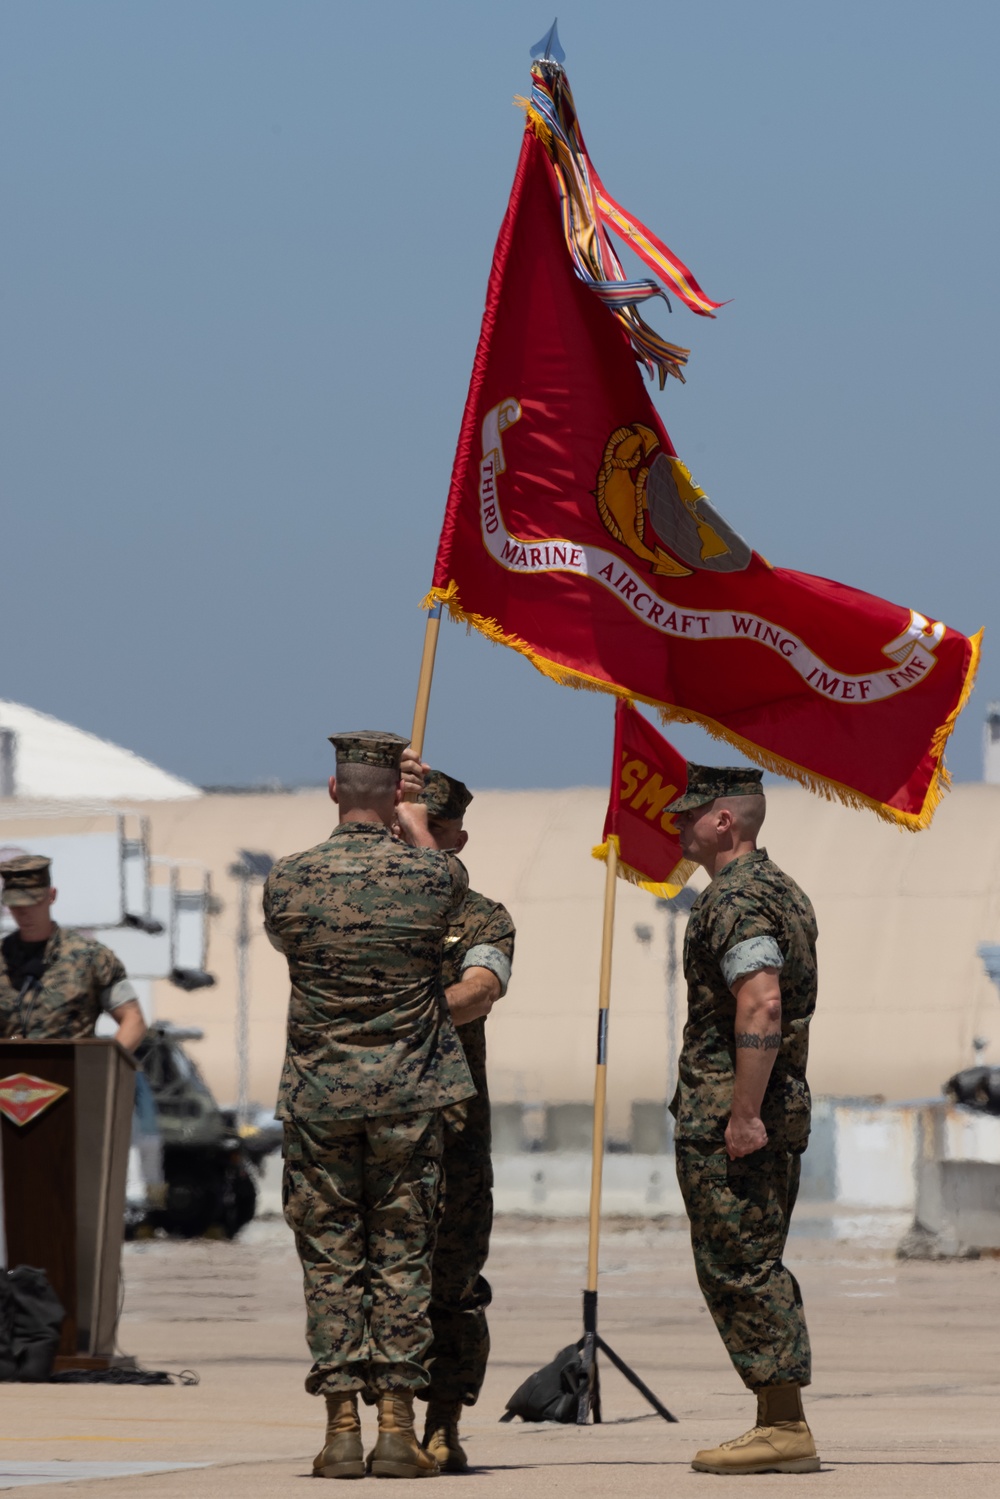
(643, 490)
(23, 1097)
(648, 502)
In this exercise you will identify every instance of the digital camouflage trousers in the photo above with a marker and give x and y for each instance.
(739, 1212)
(360, 1195)
(460, 1293)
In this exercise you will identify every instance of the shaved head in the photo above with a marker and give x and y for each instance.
(720, 830)
(369, 787)
(747, 813)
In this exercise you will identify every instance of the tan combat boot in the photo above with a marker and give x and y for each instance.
(343, 1455)
(441, 1435)
(397, 1454)
(781, 1442)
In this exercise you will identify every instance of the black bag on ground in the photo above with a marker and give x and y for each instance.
(552, 1393)
(8, 1363)
(31, 1319)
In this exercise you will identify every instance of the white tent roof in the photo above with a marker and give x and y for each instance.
(55, 761)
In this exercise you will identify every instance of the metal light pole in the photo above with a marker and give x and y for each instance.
(682, 902)
(250, 869)
(989, 952)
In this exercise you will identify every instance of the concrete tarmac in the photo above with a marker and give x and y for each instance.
(906, 1399)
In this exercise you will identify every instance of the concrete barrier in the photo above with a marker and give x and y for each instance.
(875, 1154)
(957, 1211)
(862, 1156)
(557, 1185)
(928, 1159)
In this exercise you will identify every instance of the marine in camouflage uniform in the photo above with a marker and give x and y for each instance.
(751, 920)
(55, 983)
(481, 935)
(372, 1059)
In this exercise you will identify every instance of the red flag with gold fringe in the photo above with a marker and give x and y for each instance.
(574, 534)
(647, 777)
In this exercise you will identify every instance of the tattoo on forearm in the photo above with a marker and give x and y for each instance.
(753, 1042)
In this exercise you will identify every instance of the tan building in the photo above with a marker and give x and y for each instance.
(902, 992)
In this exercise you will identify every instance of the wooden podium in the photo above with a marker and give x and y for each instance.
(65, 1131)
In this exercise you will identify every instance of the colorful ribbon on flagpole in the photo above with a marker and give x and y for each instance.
(650, 248)
(587, 209)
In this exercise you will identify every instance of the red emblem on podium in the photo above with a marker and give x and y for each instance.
(23, 1097)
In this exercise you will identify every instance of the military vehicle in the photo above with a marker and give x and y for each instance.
(977, 1088)
(208, 1183)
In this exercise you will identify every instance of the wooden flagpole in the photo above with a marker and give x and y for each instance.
(589, 1392)
(589, 1399)
(425, 679)
(601, 1071)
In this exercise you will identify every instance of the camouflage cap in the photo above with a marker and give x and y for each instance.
(25, 880)
(444, 797)
(706, 782)
(369, 747)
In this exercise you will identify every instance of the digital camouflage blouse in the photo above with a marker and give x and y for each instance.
(753, 905)
(480, 922)
(362, 920)
(79, 980)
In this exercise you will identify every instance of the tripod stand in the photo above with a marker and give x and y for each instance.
(592, 1342)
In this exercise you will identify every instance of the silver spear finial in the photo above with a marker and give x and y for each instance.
(548, 49)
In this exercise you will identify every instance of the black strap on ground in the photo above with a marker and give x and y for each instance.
(123, 1375)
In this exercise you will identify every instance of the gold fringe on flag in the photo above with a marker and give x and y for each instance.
(830, 790)
(666, 889)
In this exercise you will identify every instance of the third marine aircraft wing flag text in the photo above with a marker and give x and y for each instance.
(576, 535)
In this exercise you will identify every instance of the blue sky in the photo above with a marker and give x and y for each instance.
(241, 277)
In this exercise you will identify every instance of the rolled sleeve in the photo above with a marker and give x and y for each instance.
(484, 955)
(113, 996)
(749, 957)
